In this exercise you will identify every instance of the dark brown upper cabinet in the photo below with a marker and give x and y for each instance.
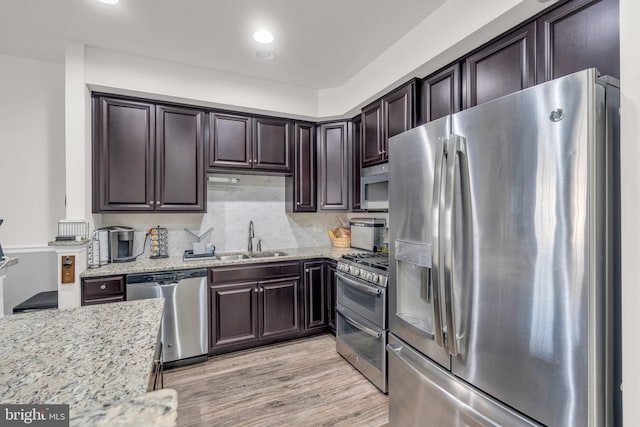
(504, 66)
(147, 157)
(371, 144)
(577, 35)
(300, 188)
(383, 119)
(230, 137)
(356, 163)
(180, 183)
(272, 144)
(333, 166)
(242, 143)
(441, 94)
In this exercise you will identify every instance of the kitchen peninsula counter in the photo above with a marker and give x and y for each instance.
(83, 356)
(147, 265)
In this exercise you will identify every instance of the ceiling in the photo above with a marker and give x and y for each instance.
(318, 44)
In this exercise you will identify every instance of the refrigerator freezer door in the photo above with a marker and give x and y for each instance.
(523, 303)
(416, 166)
(444, 400)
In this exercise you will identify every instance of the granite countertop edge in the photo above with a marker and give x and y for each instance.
(147, 265)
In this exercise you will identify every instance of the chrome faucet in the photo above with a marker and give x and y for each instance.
(251, 236)
(259, 248)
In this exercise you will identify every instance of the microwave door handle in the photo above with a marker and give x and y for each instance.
(436, 276)
(359, 325)
(368, 289)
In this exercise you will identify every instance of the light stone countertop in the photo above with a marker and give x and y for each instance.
(157, 408)
(83, 356)
(146, 265)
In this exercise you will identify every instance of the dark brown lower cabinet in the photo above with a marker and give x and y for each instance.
(315, 294)
(253, 305)
(234, 314)
(331, 295)
(102, 290)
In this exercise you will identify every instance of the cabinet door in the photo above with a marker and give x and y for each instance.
(272, 144)
(398, 111)
(123, 155)
(577, 35)
(315, 295)
(304, 174)
(356, 165)
(279, 314)
(333, 173)
(229, 141)
(180, 175)
(331, 294)
(233, 314)
(505, 66)
(371, 146)
(441, 94)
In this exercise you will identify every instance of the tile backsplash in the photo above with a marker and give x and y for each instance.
(230, 207)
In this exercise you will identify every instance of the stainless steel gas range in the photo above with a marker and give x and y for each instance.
(361, 308)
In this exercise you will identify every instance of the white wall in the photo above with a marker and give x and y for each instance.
(116, 72)
(630, 177)
(32, 162)
(455, 28)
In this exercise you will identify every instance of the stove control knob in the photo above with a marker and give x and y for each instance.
(355, 271)
(375, 278)
(368, 276)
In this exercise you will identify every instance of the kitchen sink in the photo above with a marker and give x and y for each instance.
(267, 254)
(233, 257)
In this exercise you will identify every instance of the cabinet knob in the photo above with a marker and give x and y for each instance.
(250, 161)
(255, 160)
(103, 286)
(255, 290)
(306, 270)
(297, 203)
(261, 289)
(150, 202)
(321, 203)
(157, 202)
(379, 151)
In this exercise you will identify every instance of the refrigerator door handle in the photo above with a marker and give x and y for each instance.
(437, 207)
(457, 151)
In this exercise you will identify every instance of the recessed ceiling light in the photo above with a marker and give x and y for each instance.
(109, 1)
(263, 36)
(265, 55)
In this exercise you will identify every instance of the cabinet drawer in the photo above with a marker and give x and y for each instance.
(117, 298)
(103, 287)
(254, 272)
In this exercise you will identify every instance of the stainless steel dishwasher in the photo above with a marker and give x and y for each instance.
(184, 324)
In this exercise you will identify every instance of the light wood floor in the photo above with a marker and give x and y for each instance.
(303, 382)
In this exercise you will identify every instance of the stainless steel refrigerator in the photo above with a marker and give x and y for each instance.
(502, 269)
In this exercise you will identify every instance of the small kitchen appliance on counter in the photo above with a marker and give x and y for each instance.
(368, 234)
(201, 250)
(115, 244)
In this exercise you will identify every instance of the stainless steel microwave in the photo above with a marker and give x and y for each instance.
(374, 188)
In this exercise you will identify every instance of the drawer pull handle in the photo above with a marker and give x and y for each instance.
(103, 286)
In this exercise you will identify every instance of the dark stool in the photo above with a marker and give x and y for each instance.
(40, 301)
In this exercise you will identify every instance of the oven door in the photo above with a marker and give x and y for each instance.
(363, 344)
(364, 298)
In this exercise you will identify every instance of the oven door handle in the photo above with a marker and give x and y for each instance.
(365, 288)
(359, 325)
